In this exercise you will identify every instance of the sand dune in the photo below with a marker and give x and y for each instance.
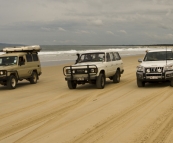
(48, 112)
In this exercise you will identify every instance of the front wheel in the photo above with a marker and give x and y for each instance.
(33, 78)
(140, 83)
(100, 82)
(12, 81)
(71, 84)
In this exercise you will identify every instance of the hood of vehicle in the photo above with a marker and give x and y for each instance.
(6, 67)
(89, 63)
(156, 63)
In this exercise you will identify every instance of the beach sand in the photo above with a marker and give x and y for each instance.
(48, 112)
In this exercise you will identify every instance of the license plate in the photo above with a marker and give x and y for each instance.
(153, 77)
(80, 78)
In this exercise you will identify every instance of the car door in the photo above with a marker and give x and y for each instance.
(22, 67)
(108, 65)
(114, 64)
(119, 62)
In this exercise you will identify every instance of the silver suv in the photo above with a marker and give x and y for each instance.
(156, 66)
(19, 63)
(94, 68)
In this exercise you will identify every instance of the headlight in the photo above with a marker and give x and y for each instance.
(169, 67)
(159, 70)
(148, 70)
(140, 68)
(93, 70)
(2, 73)
(68, 71)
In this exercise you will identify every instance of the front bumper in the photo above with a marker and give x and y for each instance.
(81, 77)
(3, 79)
(167, 75)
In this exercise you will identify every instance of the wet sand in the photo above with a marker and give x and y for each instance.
(48, 112)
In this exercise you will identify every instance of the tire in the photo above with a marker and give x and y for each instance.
(71, 84)
(116, 77)
(100, 82)
(140, 83)
(12, 82)
(171, 82)
(34, 77)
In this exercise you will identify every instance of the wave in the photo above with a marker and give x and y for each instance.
(82, 51)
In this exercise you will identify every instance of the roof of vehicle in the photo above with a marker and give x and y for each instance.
(35, 48)
(160, 50)
(93, 52)
(13, 54)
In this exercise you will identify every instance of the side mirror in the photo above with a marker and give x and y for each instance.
(139, 60)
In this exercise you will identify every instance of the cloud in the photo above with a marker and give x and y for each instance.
(45, 28)
(123, 31)
(169, 12)
(110, 32)
(97, 22)
(84, 19)
(61, 29)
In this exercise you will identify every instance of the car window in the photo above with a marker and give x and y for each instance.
(92, 57)
(108, 58)
(9, 60)
(117, 56)
(112, 56)
(159, 56)
(29, 58)
(35, 57)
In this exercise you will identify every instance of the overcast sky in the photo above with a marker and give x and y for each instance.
(86, 22)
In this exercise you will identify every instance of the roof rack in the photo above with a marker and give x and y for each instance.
(34, 48)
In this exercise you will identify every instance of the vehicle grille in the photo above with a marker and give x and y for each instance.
(153, 74)
(80, 71)
(154, 70)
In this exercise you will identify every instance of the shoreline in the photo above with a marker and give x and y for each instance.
(56, 63)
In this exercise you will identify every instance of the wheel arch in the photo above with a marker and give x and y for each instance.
(15, 73)
(102, 71)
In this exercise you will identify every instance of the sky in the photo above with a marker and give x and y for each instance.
(86, 22)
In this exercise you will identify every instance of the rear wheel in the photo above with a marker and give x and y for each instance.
(33, 78)
(140, 83)
(100, 82)
(12, 81)
(71, 84)
(116, 77)
(171, 82)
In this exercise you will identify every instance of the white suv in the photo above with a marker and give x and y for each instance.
(157, 65)
(94, 68)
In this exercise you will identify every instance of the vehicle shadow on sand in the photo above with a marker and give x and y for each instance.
(157, 84)
(19, 85)
(93, 86)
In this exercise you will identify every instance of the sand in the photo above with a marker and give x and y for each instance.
(48, 112)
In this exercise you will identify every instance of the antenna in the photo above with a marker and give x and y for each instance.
(166, 55)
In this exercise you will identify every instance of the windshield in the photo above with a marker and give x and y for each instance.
(5, 61)
(159, 56)
(92, 57)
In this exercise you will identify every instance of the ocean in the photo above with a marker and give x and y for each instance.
(51, 55)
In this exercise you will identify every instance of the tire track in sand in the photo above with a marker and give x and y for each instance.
(115, 122)
(7, 130)
(159, 130)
